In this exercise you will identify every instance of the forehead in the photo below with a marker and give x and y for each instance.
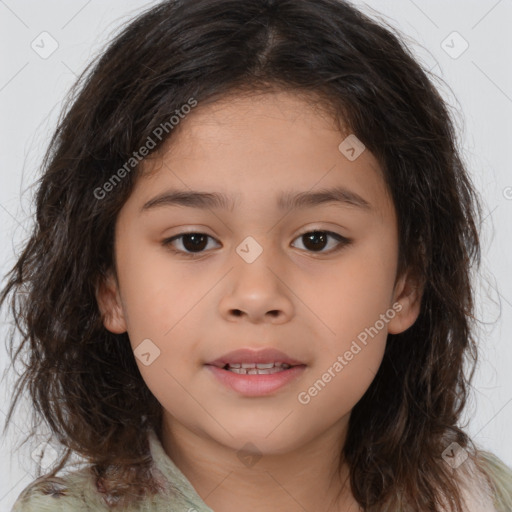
(256, 120)
(277, 144)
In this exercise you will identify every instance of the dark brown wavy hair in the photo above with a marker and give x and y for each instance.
(83, 380)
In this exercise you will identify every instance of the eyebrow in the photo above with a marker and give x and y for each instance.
(288, 200)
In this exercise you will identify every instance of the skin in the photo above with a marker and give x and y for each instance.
(311, 304)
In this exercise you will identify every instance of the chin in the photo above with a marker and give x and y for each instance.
(259, 441)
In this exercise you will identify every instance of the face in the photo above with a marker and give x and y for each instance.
(314, 279)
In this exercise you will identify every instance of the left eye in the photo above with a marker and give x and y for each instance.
(315, 241)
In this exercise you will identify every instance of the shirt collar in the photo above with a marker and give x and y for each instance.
(177, 480)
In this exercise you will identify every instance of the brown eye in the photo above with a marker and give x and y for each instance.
(195, 242)
(192, 243)
(317, 241)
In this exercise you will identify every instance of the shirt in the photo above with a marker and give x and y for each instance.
(76, 491)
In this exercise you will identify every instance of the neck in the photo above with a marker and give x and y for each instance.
(311, 477)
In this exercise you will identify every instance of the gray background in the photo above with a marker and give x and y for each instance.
(477, 83)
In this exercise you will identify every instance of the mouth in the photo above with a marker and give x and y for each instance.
(250, 361)
(256, 373)
(257, 368)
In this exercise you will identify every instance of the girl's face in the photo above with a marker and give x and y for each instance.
(255, 276)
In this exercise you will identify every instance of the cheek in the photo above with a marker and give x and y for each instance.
(339, 385)
(160, 304)
(348, 359)
(171, 389)
(353, 294)
(353, 303)
(154, 294)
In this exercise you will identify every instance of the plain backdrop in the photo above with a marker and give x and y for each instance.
(468, 44)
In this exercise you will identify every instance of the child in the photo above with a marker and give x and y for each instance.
(307, 355)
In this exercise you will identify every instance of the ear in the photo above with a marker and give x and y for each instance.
(110, 305)
(408, 292)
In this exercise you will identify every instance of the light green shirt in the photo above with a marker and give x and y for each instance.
(76, 490)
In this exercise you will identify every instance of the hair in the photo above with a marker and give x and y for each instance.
(84, 381)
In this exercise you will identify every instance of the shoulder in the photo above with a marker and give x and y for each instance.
(499, 479)
(74, 491)
(485, 483)
(77, 491)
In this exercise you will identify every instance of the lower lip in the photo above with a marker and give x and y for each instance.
(256, 385)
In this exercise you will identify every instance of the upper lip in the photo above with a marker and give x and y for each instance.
(246, 355)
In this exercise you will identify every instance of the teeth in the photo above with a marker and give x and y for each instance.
(256, 371)
(257, 368)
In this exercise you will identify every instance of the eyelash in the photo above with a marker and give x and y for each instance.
(343, 242)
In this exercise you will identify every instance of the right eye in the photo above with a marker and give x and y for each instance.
(192, 242)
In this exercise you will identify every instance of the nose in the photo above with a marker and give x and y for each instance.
(257, 292)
